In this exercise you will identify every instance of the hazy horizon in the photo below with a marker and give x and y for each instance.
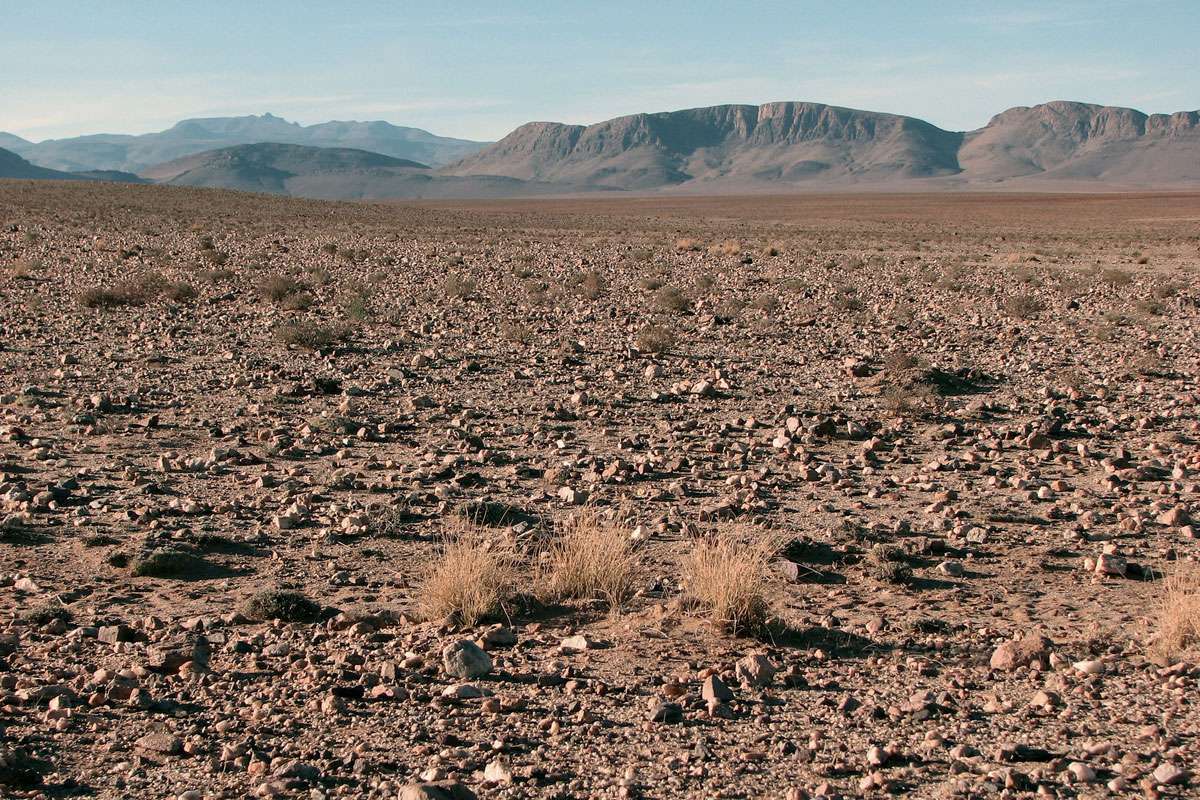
(139, 68)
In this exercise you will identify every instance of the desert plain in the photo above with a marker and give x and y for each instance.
(811, 496)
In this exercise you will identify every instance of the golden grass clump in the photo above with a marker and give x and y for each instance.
(473, 576)
(728, 574)
(1179, 615)
(591, 558)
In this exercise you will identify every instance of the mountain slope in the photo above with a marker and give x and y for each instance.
(330, 173)
(776, 142)
(1079, 141)
(13, 143)
(13, 166)
(190, 136)
(269, 167)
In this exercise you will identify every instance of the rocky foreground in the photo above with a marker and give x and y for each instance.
(236, 431)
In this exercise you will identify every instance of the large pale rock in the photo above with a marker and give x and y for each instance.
(1030, 649)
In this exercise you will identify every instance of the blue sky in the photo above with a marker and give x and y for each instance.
(479, 69)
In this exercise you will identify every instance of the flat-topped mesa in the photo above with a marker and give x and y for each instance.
(784, 140)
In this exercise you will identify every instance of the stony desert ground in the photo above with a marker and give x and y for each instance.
(663, 497)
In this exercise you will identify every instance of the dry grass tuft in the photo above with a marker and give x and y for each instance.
(472, 578)
(1179, 615)
(729, 575)
(591, 558)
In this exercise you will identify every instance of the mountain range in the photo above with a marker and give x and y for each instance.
(127, 153)
(786, 146)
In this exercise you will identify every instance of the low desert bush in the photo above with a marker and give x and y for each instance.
(654, 339)
(901, 398)
(458, 287)
(216, 275)
(129, 292)
(1179, 614)
(392, 521)
(216, 258)
(590, 558)
(168, 564)
(179, 292)
(766, 303)
(886, 563)
(1023, 306)
(669, 298)
(278, 604)
(1165, 291)
(845, 298)
(900, 363)
(728, 575)
(516, 332)
(357, 305)
(24, 268)
(472, 577)
(1151, 308)
(297, 301)
(278, 288)
(590, 284)
(730, 308)
(312, 335)
(726, 248)
(537, 292)
(1116, 277)
(45, 613)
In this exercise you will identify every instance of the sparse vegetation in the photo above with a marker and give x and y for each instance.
(591, 557)
(458, 287)
(933, 468)
(671, 299)
(312, 335)
(130, 292)
(1023, 306)
(278, 288)
(887, 563)
(1178, 614)
(728, 574)
(168, 563)
(473, 577)
(654, 339)
(282, 605)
